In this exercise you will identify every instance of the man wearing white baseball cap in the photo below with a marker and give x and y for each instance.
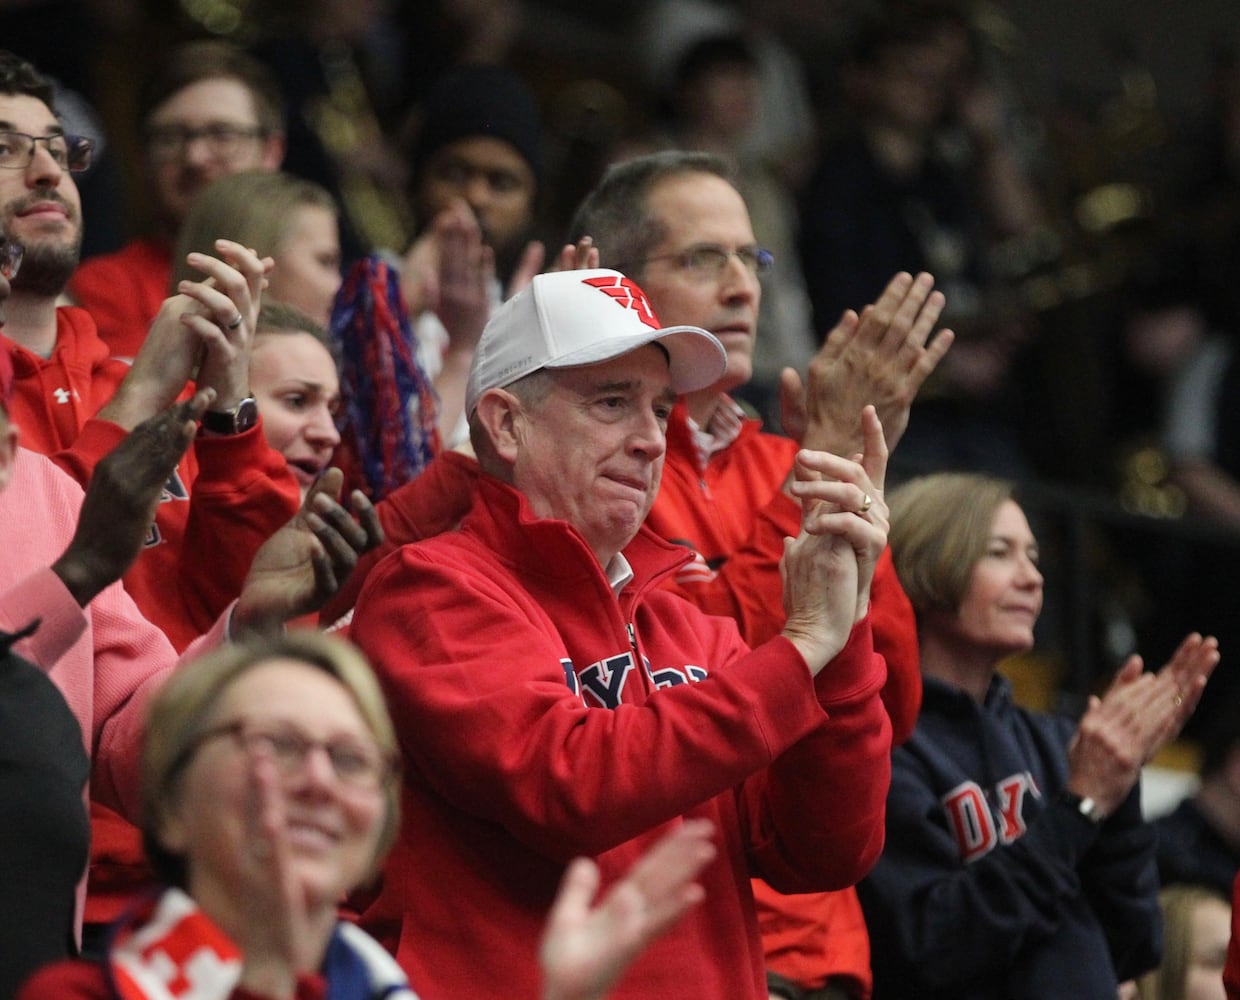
(542, 330)
(552, 700)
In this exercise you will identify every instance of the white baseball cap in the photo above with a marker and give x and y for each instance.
(566, 319)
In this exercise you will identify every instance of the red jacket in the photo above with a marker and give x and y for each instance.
(733, 515)
(812, 937)
(124, 290)
(535, 727)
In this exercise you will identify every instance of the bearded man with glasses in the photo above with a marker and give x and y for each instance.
(229, 492)
(71, 152)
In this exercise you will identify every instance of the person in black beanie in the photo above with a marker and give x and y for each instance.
(481, 140)
(476, 168)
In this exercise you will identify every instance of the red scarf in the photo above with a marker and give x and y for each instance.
(173, 951)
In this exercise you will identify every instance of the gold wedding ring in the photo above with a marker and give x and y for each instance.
(867, 502)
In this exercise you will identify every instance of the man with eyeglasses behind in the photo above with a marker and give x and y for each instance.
(209, 110)
(675, 224)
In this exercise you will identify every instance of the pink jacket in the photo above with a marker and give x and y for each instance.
(105, 658)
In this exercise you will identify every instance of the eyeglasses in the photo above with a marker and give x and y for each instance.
(71, 152)
(354, 764)
(11, 253)
(224, 141)
(707, 260)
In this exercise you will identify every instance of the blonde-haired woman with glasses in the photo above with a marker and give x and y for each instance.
(271, 785)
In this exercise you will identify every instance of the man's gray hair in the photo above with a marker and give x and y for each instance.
(531, 390)
(616, 212)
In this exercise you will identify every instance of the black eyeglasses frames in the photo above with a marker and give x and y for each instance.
(71, 152)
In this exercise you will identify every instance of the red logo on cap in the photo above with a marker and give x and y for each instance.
(626, 292)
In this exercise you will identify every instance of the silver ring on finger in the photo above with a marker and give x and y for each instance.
(235, 322)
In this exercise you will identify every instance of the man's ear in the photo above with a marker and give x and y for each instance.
(498, 413)
(8, 450)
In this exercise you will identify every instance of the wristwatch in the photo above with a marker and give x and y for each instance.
(239, 419)
(1082, 804)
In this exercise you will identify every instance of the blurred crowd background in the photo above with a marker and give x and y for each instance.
(1069, 171)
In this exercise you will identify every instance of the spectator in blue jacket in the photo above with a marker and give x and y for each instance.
(1017, 864)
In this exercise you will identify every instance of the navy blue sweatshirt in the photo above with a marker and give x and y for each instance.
(990, 885)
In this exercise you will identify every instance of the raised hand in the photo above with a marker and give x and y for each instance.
(828, 568)
(276, 934)
(529, 264)
(192, 329)
(587, 947)
(225, 317)
(1188, 671)
(160, 371)
(464, 277)
(1139, 713)
(121, 500)
(881, 357)
(305, 562)
(577, 256)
